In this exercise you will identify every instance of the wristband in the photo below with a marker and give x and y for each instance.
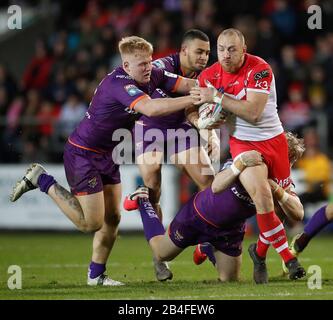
(234, 169)
(218, 99)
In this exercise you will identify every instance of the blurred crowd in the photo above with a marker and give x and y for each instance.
(40, 109)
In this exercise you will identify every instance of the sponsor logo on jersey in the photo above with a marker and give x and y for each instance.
(261, 85)
(261, 75)
(283, 182)
(242, 196)
(132, 90)
(130, 111)
(178, 236)
(123, 76)
(92, 183)
(159, 64)
(169, 74)
(161, 93)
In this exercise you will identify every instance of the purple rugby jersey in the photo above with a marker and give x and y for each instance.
(226, 209)
(216, 218)
(112, 107)
(171, 64)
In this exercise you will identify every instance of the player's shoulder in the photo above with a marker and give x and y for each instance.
(169, 62)
(254, 61)
(212, 71)
(115, 82)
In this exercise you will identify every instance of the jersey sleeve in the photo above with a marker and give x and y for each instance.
(259, 78)
(164, 64)
(167, 80)
(128, 94)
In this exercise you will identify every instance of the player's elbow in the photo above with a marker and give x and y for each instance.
(255, 118)
(255, 113)
(216, 187)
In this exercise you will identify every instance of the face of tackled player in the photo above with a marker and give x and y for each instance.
(230, 51)
(196, 53)
(138, 65)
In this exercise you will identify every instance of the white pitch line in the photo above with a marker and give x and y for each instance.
(252, 295)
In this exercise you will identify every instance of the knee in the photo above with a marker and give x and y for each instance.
(113, 219)
(91, 227)
(152, 178)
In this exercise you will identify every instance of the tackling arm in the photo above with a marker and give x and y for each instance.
(226, 177)
(288, 201)
(162, 106)
(185, 85)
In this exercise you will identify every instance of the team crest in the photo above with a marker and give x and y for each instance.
(178, 236)
(261, 75)
(92, 183)
(132, 90)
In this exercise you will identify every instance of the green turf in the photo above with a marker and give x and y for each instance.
(54, 266)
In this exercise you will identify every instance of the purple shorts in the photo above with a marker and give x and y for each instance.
(87, 171)
(188, 229)
(170, 141)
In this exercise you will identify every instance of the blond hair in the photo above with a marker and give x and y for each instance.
(129, 45)
(296, 147)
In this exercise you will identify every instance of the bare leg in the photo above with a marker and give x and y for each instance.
(228, 267)
(254, 180)
(86, 212)
(163, 248)
(105, 237)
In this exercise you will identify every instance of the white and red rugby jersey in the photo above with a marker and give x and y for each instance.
(254, 75)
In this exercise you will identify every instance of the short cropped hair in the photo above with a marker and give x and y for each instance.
(129, 45)
(233, 31)
(193, 34)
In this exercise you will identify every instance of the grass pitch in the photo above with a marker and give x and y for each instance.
(54, 266)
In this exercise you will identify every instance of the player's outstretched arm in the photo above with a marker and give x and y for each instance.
(185, 85)
(162, 106)
(288, 201)
(226, 177)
